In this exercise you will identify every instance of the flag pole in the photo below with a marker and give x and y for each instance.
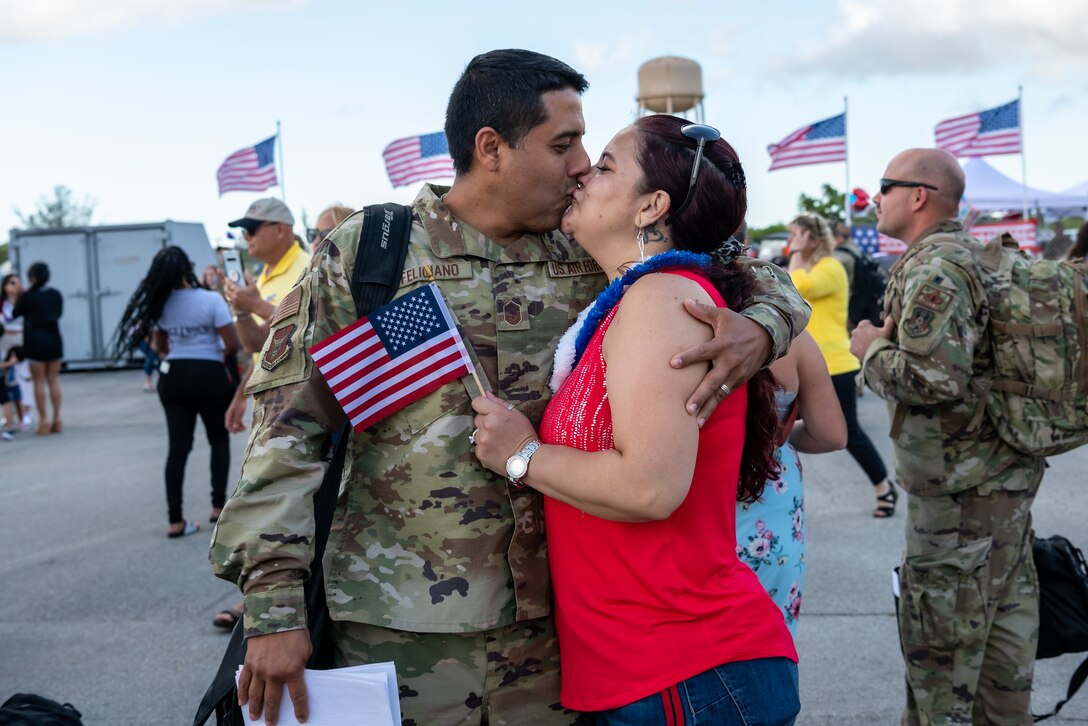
(1023, 158)
(283, 185)
(846, 144)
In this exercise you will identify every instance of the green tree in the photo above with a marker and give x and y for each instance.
(63, 210)
(758, 234)
(829, 205)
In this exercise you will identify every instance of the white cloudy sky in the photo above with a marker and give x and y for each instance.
(136, 102)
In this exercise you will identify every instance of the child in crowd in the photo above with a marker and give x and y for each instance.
(11, 394)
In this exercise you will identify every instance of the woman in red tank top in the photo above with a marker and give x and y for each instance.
(658, 620)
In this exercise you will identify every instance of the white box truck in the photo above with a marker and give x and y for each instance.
(97, 269)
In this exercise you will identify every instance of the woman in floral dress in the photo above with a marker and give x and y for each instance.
(771, 531)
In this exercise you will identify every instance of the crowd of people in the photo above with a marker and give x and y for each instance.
(31, 352)
(647, 389)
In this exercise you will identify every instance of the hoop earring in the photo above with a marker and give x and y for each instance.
(640, 240)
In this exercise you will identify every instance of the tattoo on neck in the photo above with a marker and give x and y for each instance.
(653, 234)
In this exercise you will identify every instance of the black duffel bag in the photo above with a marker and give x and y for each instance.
(26, 709)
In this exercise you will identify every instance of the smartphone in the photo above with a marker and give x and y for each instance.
(232, 266)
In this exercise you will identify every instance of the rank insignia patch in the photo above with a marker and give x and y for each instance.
(512, 312)
(920, 322)
(279, 348)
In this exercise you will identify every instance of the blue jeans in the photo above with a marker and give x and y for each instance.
(760, 692)
(151, 358)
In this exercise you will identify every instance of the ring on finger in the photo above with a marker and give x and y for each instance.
(725, 389)
(472, 436)
(509, 405)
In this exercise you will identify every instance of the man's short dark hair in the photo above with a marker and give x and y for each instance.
(502, 89)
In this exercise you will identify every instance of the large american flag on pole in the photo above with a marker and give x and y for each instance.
(817, 143)
(252, 169)
(417, 158)
(396, 355)
(986, 133)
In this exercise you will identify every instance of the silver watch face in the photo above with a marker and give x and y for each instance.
(516, 466)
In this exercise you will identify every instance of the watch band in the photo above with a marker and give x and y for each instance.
(522, 457)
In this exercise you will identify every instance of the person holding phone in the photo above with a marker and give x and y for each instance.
(267, 231)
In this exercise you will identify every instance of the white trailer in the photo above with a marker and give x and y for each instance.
(97, 269)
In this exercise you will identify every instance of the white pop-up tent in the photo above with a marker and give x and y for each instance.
(1080, 191)
(989, 190)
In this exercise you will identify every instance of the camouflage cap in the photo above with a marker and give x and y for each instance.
(268, 209)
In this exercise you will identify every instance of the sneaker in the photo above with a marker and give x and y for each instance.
(28, 421)
(7, 435)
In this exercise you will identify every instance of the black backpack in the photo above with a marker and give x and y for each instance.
(26, 709)
(867, 289)
(1063, 606)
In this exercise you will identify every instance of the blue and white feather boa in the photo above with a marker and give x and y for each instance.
(574, 342)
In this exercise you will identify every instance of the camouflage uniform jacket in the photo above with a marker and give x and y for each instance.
(424, 539)
(928, 371)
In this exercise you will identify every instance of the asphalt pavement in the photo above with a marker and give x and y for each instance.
(99, 608)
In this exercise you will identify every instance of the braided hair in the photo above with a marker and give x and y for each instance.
(171, 269)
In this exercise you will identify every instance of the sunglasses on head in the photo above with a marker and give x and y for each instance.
(702, 134)
(887, 184)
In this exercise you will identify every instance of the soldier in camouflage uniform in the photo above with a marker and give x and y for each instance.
(968, 609)
(434, 562)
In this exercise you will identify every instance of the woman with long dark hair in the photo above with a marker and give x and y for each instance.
(193, 333)
(41, 307)
(654, 610)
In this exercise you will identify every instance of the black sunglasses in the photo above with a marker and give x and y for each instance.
(886, 184)
(701, 133)
(316, 235)
(252, 229)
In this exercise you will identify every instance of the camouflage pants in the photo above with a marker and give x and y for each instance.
(508, 675)
(969, 608)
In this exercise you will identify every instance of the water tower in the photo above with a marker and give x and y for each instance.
(670, 85)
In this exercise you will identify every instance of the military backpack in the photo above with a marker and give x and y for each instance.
(1038, 396)
(867, 289)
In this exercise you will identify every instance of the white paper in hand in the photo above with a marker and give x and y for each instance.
(343, 697)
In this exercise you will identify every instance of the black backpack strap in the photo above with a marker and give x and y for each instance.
(379, 261)
(1075, 683)
(383, 244)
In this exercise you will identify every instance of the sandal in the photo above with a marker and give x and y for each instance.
(188, 529)
(227, 619)
(885, 503)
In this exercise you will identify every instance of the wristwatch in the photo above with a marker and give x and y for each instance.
(518, 464)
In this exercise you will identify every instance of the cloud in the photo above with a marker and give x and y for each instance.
(23, 20)
(594, 58)
(924, 37)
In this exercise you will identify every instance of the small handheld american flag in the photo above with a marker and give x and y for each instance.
(393, 357)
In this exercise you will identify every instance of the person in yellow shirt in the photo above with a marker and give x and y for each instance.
(267, 230)
(822, 281)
